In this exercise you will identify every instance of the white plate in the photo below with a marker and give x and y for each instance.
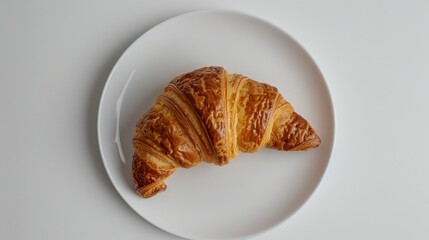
(255, 191)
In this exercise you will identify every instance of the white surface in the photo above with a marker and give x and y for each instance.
(254, 192)
(55, 58)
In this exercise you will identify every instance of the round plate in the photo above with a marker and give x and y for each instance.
(254, 192)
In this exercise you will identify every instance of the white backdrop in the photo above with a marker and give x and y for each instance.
(55, 58)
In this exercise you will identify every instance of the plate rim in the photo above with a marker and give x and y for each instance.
(239, 13)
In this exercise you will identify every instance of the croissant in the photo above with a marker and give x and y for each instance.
(209, 115)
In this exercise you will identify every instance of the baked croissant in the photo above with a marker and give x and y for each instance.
(209, 115)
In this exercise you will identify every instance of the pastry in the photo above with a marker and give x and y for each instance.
(209, 115)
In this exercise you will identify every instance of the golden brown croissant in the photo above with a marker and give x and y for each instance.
(209, 115)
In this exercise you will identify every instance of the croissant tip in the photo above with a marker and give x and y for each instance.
(150, 191)
(307, 145)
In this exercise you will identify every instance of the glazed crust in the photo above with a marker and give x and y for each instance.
(209, 115)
